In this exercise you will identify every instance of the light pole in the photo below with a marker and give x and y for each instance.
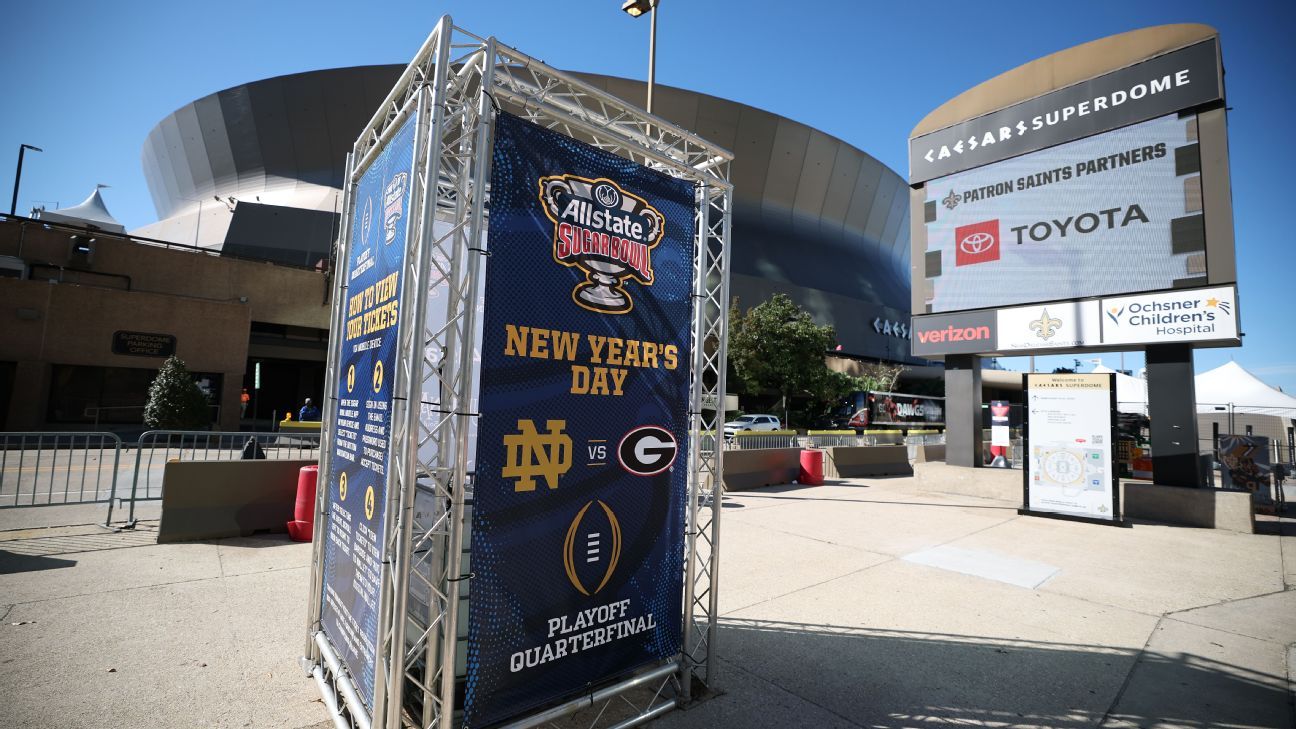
(22, 148)
(636, 8)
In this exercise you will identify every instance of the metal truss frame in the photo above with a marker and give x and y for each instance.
(455, 84)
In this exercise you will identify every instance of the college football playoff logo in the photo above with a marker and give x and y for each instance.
(647, 450)
(606, 232)
(592, 548)
(976, 243)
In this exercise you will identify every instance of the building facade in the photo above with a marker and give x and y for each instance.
(233, 277)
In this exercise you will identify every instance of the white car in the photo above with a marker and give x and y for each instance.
(751, 423)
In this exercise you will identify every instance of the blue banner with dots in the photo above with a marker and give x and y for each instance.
(578, 504)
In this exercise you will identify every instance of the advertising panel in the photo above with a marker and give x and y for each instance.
(358, 443)
(1112, 214)
(1070, 432)
(1060, 325)
(969, 332)
(578, 518)
(1244, 464)
(999, 431)
(897, 408)
(1191, 315)
(1168, 83)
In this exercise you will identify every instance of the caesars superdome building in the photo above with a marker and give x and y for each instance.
(257, 170)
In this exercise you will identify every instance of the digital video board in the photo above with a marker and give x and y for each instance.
(1115, 213)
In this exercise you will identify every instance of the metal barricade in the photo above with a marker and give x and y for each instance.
(882, 437)
(156, 448)
(763, 439)
(49, 469)
(832, 438)
(707, 441)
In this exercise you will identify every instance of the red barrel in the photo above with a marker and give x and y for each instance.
(303, 524)
(812, 468)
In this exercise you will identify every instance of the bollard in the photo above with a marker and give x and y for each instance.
(302, 528)
(812, 467)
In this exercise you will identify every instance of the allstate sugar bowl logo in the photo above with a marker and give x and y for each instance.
(606, 232)
(394, 204)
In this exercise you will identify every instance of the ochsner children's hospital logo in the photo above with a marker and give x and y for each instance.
(605, 231)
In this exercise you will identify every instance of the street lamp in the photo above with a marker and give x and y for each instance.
(22, 148)
(636, 8)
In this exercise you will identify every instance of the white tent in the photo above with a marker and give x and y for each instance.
(1131, 392)
(92, 211)
(1230, 386)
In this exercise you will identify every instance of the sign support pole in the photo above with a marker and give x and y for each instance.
(1172, 399)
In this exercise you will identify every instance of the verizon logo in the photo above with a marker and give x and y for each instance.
(954, 334)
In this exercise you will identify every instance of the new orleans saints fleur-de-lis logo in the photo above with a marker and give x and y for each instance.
(951, 200)
(1045, 326)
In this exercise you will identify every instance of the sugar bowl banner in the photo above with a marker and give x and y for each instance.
(578, 503)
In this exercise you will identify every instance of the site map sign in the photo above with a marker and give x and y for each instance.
(1070, 428)
(581, 469)
(359, 442)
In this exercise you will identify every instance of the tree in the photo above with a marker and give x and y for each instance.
(175, 401)
(776, 347)
(880, 376)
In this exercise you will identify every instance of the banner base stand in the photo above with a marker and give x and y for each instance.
(1068, 517)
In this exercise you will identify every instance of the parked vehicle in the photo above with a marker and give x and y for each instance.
(755, 422)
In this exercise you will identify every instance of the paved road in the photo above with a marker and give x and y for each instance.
(867, 603)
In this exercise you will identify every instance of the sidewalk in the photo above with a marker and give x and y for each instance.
(846, 605)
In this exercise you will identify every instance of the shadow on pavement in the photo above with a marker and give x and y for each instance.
(750, 494)
(884, 678)
(1285, 527)
(12, 564)
(257, 540)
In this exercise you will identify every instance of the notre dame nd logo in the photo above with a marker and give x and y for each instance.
(529, 454)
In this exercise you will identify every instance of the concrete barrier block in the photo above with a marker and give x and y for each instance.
(987, 483)
(887, 460)
(757, 467)
(217, 499)
(1211, 508)
(928, 453)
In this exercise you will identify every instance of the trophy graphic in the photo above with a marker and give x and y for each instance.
(606, 232)
(394, 204)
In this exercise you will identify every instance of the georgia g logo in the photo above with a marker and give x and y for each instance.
(647, 450)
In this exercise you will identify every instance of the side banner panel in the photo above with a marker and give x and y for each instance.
(578, 520)
(359, 443)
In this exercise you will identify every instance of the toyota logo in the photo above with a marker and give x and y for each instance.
(977, 243)
(607, 195)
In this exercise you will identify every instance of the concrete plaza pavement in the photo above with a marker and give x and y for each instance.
(845, 605)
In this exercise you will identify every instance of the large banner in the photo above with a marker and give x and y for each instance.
(578, 513)
(1070, 429)
(359, 442)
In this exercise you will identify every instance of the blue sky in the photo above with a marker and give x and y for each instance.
(87, 81)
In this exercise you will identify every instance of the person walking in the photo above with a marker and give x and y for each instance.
(308, 412)
(244, 399)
